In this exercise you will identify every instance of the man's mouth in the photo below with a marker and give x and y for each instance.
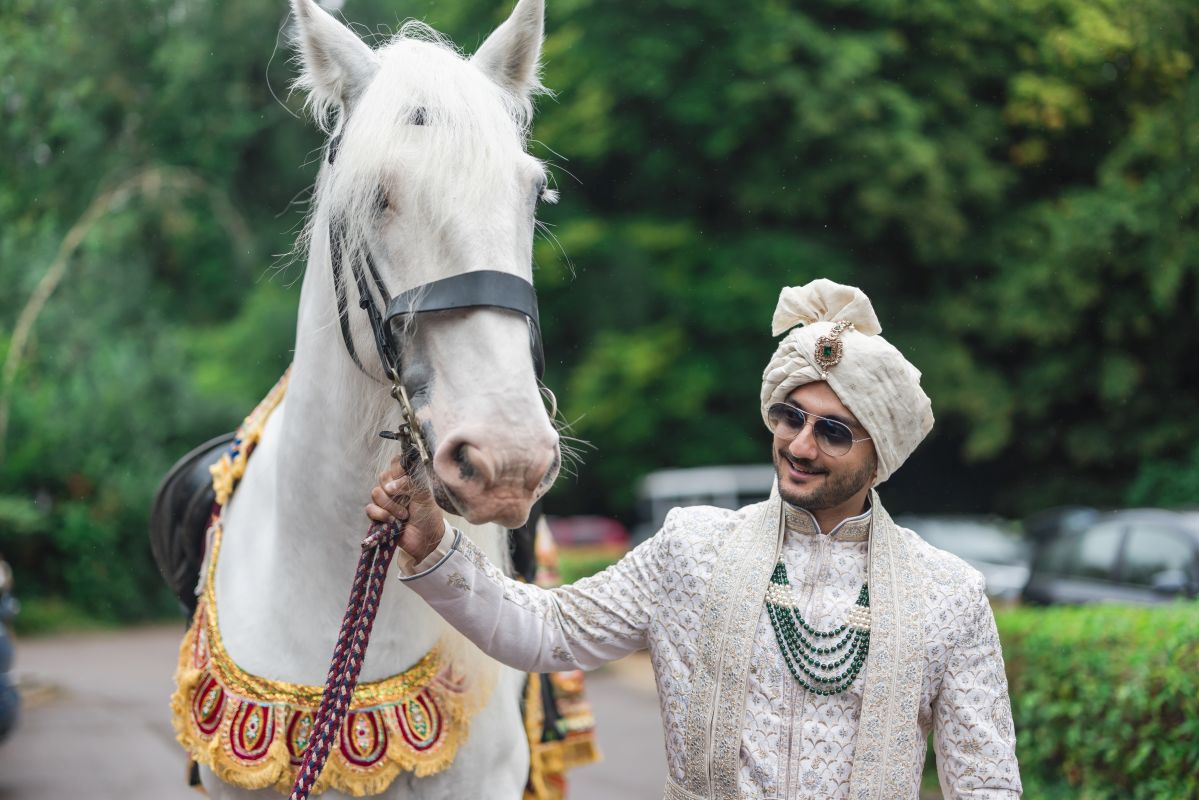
(801, 469)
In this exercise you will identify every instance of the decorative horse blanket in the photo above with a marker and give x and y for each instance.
(252, 731)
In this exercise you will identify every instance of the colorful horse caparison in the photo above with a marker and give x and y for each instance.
(426, 176)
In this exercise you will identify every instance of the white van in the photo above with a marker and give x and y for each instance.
(730, 486)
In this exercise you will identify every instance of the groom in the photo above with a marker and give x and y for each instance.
(803, 647)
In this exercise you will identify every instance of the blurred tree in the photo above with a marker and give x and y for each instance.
(136, 216)
(1012, 183)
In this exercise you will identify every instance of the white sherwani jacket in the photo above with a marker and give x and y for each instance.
(736, 723)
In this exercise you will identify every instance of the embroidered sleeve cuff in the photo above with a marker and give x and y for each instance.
(410, 570)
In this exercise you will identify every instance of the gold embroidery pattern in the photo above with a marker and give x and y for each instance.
(232, 466)
(753, 544)
(252, 731)
(675, 792)
(744, 609)
(888, 729)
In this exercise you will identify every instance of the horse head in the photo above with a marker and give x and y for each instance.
(427, 177)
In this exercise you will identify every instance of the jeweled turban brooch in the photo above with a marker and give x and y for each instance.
(830, 347)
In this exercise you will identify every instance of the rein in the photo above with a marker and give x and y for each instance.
(476, 289)
(377, 551)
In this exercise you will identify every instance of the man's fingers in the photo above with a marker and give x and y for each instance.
(396, 492)
(377, 514)
(404, 487)
(394, 486)
(393, 473)
(396, 507)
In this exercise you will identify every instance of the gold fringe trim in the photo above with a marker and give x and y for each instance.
(428, 699)
(232, 466)
(534, 716)
(549, 761)
(565, 754)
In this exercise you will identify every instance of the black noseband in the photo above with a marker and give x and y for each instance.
(485, 288)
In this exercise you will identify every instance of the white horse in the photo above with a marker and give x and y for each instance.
(431, 177)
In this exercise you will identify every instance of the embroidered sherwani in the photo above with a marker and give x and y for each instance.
(736, 723)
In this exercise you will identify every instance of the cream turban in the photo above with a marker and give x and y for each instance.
(872, 379)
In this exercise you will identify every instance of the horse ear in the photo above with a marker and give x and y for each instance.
(338, 65)
(510, 54)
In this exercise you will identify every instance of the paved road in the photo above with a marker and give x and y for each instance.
(96, 724)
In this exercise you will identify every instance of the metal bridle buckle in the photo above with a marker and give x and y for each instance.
(408, 432)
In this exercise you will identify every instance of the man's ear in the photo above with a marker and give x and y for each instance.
(338, 66)
(510, 55)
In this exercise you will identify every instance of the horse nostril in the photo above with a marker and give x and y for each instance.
(472, 464)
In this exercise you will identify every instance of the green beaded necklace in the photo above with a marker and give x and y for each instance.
(803, 655)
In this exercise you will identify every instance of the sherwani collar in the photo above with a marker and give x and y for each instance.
(729, 623)
(851, 529)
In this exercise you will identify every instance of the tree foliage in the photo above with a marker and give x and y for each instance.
(1011, 182)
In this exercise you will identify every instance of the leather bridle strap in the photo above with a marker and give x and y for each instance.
(477, 289)
(485, 288)
(339, 292)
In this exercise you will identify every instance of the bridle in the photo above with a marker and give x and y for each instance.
(476, 289)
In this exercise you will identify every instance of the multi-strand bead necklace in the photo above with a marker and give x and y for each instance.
(823, 662)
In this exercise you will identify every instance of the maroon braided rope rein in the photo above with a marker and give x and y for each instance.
(377, 550)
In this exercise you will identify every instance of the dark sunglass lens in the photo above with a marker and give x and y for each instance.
(833, 437)
(785, 420)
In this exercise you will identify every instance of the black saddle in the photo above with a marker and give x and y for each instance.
(179, 519)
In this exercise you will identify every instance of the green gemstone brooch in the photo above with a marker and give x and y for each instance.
(830, 347)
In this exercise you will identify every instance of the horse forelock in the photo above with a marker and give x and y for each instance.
(429, 117)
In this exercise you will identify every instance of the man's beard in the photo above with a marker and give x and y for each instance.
(835, 490)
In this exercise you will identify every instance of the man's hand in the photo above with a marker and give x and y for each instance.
(396, 499)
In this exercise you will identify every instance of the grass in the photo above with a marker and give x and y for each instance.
(576, 564)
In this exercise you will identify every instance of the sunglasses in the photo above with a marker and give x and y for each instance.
(832, 437)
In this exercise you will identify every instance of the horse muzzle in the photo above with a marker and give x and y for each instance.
(490, 481)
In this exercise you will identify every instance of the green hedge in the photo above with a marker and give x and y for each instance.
(1106, 700)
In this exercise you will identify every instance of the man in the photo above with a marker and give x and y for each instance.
(803, 647)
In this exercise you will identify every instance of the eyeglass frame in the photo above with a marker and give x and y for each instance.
(809, 417)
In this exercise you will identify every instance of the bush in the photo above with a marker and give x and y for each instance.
(576, 564)
(1105, 700)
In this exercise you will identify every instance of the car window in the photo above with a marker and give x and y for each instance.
(1152, 550)
(1098, 549)
(1090, 554)
(973, 541)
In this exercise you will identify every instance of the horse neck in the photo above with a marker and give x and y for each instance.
(327, 458)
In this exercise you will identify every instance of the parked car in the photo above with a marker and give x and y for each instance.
(10, 701)
(991, 545)
(730, 486)
(1046, 525)
(1139, 556)
(589, 532)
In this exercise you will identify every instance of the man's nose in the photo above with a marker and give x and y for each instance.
(804, 444)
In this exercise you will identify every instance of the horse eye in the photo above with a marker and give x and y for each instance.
(382, 200)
